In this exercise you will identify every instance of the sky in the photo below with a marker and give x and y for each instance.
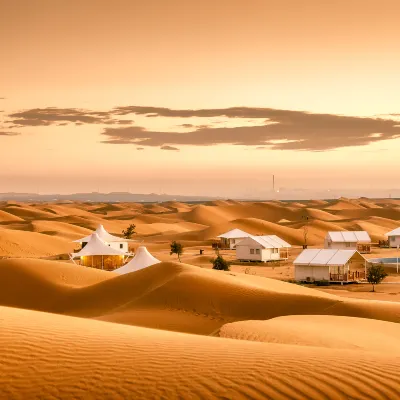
(201, 97)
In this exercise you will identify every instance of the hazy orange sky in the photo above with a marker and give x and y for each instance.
(200, 97)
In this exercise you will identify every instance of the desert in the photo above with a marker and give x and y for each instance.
(180, 329)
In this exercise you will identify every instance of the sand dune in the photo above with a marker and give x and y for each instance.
(60, 229)
(171, 296)
(51, 356)
(31, 244)
(320, 331)
(133, 338)
(7, 217)
(28, 212)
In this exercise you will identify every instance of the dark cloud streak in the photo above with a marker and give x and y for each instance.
(53, 115)
(283, 129)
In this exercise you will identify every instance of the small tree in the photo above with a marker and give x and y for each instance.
(130, 230)
(220, 264)
(176, 248)
(375, 275)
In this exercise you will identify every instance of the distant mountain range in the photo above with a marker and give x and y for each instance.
(103, 197)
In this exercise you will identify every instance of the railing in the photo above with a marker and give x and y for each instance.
(348, 276)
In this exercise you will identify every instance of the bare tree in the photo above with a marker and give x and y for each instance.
(305, 229)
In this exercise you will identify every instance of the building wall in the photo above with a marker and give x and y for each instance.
(243, 253)
(394, 241)
(302, 272)
(233, 242)
(108, 263)
(340, 245)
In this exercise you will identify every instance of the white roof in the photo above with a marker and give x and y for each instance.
(394, 232)
(96, 247)
(349, 236)
(104, 236)
(234, 234)
(322, 257)
(142, 259)
(267, 242)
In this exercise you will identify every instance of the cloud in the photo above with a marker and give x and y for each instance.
(9, 133)
(53, 115)
(169, 148)
(282, 129)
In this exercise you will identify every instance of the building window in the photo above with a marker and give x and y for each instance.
(392, 238)
(257, 251)
(348, 244)
(251, 251)
(121, 245)
(275, 250)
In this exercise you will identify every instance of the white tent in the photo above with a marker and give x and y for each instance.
(262, 248)
(394, 237)
(349, 237)
(231, 238)
(104, 236)
(322, 257)
(142, 259)
(349, 240)
(234, 234)
(271, 242)
(96, 247)
(330, 264)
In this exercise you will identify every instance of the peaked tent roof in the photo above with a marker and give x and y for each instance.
(234, 234)
(96, 247)
(323, 257)
(267, 241)
(142, 259)
(349, 236)
(104, 236)
(394, 232)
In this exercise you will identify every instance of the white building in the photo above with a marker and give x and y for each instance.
(394, 237)
(262, 248)
(111, 240)
(98, 254)
(333, 265)
(348, 240)
(142, 259)
(229, 239)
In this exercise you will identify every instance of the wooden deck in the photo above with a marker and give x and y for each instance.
(348, 277)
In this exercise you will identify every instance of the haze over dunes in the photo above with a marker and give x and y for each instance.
(47, 229)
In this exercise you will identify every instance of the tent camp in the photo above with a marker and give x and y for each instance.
(348, 240)
(98, 254)
(262, 248)
(142, 259)
(229, 239)
(333, 265)
(114, 241)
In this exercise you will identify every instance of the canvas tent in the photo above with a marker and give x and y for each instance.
(114, 241)
(142, 259)
(98, 254)
(230, 239)
(348, 240)
(330, 265)
(262, 248)
(394, 237)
